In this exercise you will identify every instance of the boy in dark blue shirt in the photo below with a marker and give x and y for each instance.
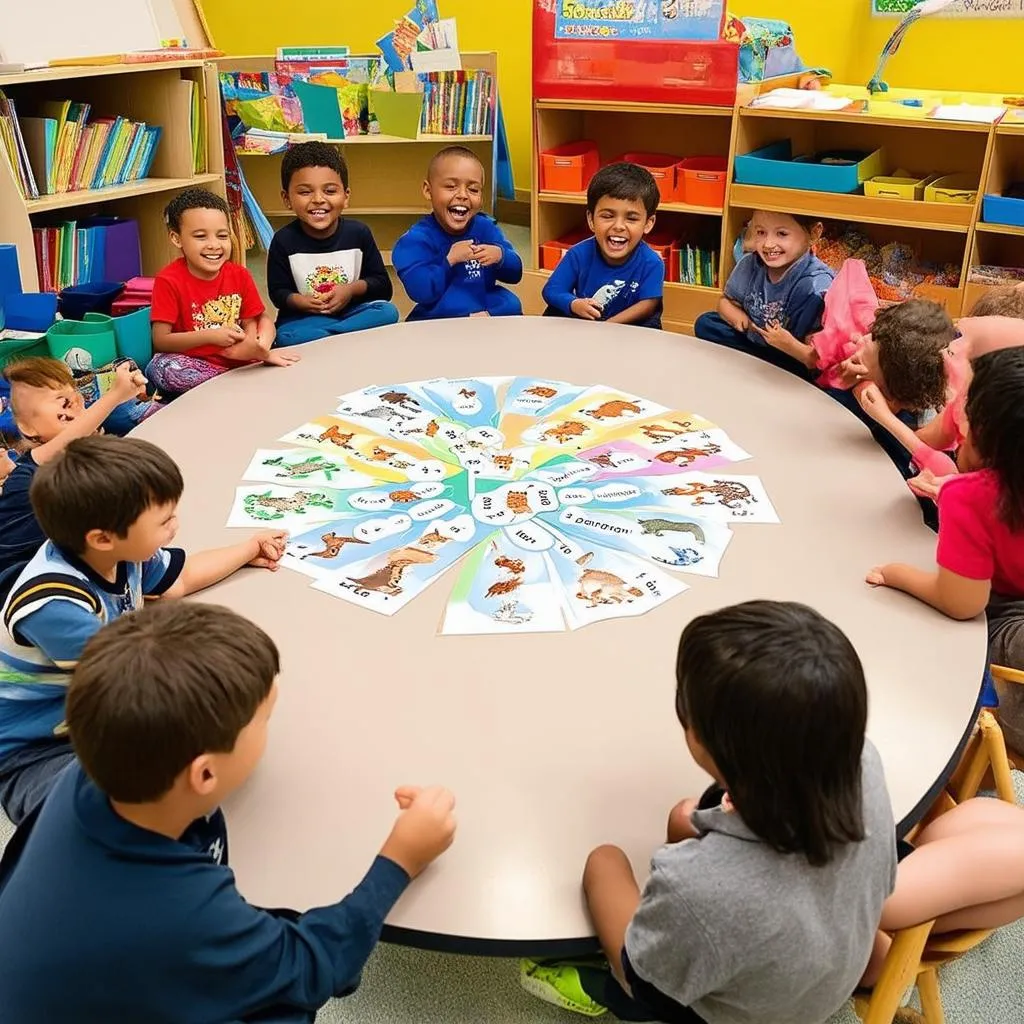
(116, 903)
(324, 272)
(615, 276)
(451, 261)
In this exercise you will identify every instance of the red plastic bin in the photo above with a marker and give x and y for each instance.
(662, 168)
(700, 180)
(666, 245)
(703, 73)
(551, 253)
(569, 168)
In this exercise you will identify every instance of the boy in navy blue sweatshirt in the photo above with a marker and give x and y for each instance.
(325, 273)
(116, 903)
(614, 276)
(451, 261)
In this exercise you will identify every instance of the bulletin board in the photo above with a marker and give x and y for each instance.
(958, 9)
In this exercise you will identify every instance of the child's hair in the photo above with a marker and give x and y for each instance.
(192, 199)
(101, 483)
(776, 695)
(911, 338)
(807, 223)
(449, 151)
(1007, 301)
(37, 372)
(313, 154)
(157, 688)
(624, 181)
(995, 411)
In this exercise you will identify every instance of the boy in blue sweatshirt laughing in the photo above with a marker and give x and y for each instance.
(451, 261)
(168, 711)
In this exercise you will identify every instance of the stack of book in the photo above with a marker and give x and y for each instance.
(458, 102)
(81, 252)
(13, 145)
(698, 265)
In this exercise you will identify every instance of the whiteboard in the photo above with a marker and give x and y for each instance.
(35, 34)
(959, 9)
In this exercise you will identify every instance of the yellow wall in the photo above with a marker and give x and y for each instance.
(973, 55)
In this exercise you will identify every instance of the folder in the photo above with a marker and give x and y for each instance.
(122, 257)
(10, 274)
(321, 111)
(40, 135)
(398, 113)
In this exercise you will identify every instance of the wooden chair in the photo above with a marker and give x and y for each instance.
(916, 955)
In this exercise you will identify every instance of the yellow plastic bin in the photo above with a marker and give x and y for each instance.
(898, 186)
(953, 188)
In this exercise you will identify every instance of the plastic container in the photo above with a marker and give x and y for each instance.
(569, 168)
(29, 311)
(666, 246)
(551, 253)
(15, 349)
(93, 336)
(1004, 209)
(898, 187)
(662, 167)
(701, 180)
(94, 297)
(776, 166)
(134, 337)
(953, 188)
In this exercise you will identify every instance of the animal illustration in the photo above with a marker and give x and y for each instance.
(399, 398)
(681, 557)
(728, 493)
(684, 456)
(660, 432)
(431, 428)
(518, 503)
(509, 613)
(218, 312)
(388, 579)
(541, 391)
(266, 506)
(321, 280)
(658, 527)
(503, 461)
(378, 454)
(515, 567)
(466, 393)
(332, 546)
(561, 432)
(404, 497)
(337, 437)
(298, 470)
(612, 410)
(604, 460)
(599, 587)
(378, 412)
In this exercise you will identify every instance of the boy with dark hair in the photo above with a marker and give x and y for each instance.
(130, 850)
(207, 315)
(108, 506)
(325, 273)
(451, 261)
(615, 275)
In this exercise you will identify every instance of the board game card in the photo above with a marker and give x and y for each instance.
(290, 508)
(298, 467)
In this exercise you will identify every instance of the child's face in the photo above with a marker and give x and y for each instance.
(204, 241)
(154, 529)
(43, 413)
(778, 239)
(455, 190)
(619, 226)
(317, 197)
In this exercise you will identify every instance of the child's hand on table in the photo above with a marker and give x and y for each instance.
(423, 830)
(876, 576)
(488, 255)
(281, 357)
(462, 252)
(268, 547)
(586, 309)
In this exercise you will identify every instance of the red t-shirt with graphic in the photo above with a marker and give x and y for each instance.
(190, 303)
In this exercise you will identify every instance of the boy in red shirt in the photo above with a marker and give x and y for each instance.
(207, 316)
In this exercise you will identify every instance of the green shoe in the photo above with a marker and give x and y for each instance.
(558, 984)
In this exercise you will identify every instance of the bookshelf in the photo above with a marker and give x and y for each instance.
(386, 172)
(144, 92)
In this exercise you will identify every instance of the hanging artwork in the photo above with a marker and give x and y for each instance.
(953, 8)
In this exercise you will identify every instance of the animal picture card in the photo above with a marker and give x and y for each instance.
(290, 508)
(610, 408)
(392, 409)
(295, 466)
(388, 581)
(662, 447)
(718, 496)
(469, 400)
(501, 588)
(537, 397)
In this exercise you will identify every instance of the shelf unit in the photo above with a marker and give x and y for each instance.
(938, 232)
(144, 92)
(386, 172)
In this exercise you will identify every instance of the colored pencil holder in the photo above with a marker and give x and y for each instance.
(134, 337)
(94, 297)
(93, 336)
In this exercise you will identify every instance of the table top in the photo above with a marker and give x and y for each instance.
(553, 742)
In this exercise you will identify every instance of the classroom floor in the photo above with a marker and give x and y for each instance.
(407, 986)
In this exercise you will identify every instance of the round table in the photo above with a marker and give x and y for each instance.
(553, 743)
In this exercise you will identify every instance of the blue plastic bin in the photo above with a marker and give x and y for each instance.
(1003, 210)
(94, 297)
(776, 167)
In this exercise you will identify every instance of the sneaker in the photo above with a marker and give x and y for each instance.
(558, 984)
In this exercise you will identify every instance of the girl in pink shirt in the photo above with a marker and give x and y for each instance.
(980, 551)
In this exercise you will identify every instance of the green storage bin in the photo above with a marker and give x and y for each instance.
(22, 348)
(134, 335)
(94, 336)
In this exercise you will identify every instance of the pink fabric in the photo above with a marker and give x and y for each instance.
(850, 309)
(973, 541)
(938, 462)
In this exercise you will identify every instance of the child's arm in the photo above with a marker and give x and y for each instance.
(263, 550)
(648, 294)
(778, 337)
(953, 595)
(637, 313)
(805, 316)
(424, 272)
(165, 339)
(733, 314)
(374, 279)
(493, 249)
(560, 291)
(925, 455)
(280, 282)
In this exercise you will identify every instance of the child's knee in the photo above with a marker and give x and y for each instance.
(502, 302)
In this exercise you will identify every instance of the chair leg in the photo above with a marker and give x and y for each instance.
(931, 996)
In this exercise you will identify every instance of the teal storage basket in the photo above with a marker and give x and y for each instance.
(134, 336)
(93, 335)
(22, 349)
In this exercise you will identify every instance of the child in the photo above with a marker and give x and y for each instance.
(129, 852)
(980, 551)
(108, 506)
(451, 261)
(324, 273)
(614, 276)
(207, 315)
(49, 414)
(775, 293)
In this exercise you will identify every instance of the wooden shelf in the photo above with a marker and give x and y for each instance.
(352, 140)
(63, 74)
(955, 217)
(580, 199)
(635, 108)
(855, 117)
(144, 187)
(1000, 229)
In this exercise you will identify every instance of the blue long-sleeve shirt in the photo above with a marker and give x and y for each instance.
(441, 290)
(103, 921)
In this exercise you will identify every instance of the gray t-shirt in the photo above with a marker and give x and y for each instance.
(745, 935)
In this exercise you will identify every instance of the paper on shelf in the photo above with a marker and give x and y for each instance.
(802, 99)
(967, 112)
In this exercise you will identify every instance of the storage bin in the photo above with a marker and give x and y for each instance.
(701, 180)
(662, 168)
(892, 186)
(569, 168)
(1005, 209)
(776, 166)
(21, 348)
(94, 297)
(667, 247)
(133, 336)
(952, 188)
(29, 311)
(94, 336)
(551, 253)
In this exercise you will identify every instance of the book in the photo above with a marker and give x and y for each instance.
(80, 252)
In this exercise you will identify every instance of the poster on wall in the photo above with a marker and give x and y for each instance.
(956, 9)
(639, 19)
